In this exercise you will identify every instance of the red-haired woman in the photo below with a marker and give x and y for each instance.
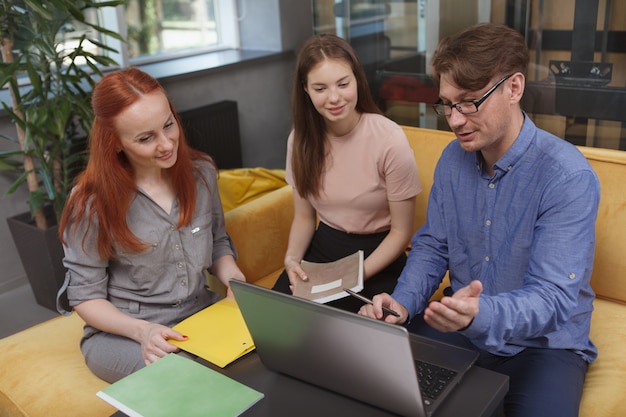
(140, 227)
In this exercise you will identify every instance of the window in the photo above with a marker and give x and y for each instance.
(157, 30)
(160, 29)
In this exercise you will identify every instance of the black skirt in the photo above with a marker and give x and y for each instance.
(328, 245)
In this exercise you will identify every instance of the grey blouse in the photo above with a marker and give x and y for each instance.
(166, 283)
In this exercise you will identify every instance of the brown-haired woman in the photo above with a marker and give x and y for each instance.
(140, 227)
(350, 166)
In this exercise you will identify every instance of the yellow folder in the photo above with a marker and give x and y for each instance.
(218, 333)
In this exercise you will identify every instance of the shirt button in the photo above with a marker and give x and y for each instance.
(486, 258)
(492, 185)
(177, 246)
(488, 222)
(572, 275)
(179, 264)
(509, 168)
(172, 228)
(183, 283)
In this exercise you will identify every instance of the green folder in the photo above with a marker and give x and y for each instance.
(178, 386)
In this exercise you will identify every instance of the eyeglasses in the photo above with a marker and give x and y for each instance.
(466, 107)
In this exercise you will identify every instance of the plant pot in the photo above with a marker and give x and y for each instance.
(41, 253)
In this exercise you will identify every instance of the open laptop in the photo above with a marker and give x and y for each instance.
(362, 358)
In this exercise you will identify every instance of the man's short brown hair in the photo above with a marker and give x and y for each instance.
(478, 54)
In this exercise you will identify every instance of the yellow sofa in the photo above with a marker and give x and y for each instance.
(41, 368)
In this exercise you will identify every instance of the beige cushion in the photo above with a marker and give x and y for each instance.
(609, 270)
(605, 386)
(46, 374)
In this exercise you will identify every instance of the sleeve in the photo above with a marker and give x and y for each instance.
(400, 169)
(427, 261)
(87, 273)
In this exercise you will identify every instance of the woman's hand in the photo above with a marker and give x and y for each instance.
(152, 337)
(294, 271)
(154, 341)
(300, 235)
(225, 268)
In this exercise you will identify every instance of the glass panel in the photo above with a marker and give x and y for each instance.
(157, 27)
(394, 40)
(576, 85)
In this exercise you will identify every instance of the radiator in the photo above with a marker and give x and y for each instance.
(214, 129)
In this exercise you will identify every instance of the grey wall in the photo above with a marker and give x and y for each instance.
(262, 89)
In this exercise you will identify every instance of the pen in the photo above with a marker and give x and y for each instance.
(368, 301)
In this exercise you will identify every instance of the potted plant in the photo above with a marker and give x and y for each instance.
(49, 66)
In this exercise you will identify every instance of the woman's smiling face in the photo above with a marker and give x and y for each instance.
(149, 134)
(332, 87)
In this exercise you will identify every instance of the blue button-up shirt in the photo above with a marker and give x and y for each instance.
(527, 233)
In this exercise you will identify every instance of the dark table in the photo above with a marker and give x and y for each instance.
(480, 394)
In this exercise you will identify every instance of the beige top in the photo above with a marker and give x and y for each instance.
(365, 169)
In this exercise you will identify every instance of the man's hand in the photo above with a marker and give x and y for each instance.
(457, 312)
(375, 310)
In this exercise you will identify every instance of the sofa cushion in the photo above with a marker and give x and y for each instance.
(242, 185)
(270, 279)
(268, 217)
(427, 153)
(607, 278)
(47, 368)
(604, 385)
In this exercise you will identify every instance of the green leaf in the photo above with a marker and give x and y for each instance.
(10, 165)
(16, 184)
(106, 31)
(48, 184)
(38, 7)
(5, 155)
(33, 76)
(36, 200)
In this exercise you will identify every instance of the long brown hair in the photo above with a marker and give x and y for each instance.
(105, 189)
(309, 150)
(478, 54)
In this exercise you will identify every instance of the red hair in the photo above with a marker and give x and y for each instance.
(105, 189)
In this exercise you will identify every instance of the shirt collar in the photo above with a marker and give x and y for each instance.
(517, 150)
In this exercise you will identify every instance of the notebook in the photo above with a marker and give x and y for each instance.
(359, 357)
(178, 386)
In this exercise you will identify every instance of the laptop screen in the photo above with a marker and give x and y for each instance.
(350, 354)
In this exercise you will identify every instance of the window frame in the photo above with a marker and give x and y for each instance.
(114, 19)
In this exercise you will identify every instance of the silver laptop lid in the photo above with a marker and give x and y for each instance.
(350, 354)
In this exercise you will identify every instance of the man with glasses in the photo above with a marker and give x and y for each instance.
(511, 217)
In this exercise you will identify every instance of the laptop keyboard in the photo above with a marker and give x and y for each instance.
(432, 379)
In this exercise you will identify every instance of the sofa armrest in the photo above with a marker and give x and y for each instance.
(260, 230)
